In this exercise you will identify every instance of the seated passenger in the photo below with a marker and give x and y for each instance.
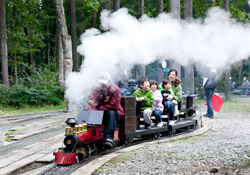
(106, 97)
(177, 89)
(146, 97)
(168, 91)
(157, 105)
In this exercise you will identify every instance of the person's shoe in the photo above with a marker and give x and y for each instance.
(172, 122)
(208, 116)
(159, 124)
(205, 115)
(108, 145)
(211, 117)
(148, 126)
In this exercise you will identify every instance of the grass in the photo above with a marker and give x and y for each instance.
(187, 140)
(7, 133)
(232, 105)
(236, 105)
(10, 110)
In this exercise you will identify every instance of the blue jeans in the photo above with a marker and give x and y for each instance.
(158, 113)
(170, 108)
(110, 121)
(209, 94)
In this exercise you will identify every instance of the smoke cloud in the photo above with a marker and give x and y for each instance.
(127, 41)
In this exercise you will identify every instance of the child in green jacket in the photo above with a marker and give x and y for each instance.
(146, 96)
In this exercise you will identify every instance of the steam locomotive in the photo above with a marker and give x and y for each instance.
(84, 136)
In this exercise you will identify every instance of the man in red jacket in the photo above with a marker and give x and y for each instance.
(106, 97)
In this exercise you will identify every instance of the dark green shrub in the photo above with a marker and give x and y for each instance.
(40, 88)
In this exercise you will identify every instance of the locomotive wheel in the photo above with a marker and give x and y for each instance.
(128, 141)
(157, 135)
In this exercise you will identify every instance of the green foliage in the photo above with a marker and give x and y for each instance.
(239, 15)
(92, 5)
(40, 88)
(20, 14)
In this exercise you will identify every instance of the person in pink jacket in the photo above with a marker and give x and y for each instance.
(157, 105)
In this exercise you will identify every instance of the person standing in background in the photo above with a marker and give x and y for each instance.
(209, 83)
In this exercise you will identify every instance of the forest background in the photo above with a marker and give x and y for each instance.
(34, 47)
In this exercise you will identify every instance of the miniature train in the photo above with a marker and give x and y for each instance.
(84, 136)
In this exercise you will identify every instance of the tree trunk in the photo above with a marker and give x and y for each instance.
(4, 51)
(30, 55)
(141, 68)
(74, 35)
(15, 70)
(160, 6)
(189, 70)
(65, 38)
(226, 5)
(116, 5)
(48, 51)
(60, 60)
(175, 10)
(94, 18)
(228, 70)
(141, 10)
(188, 9)
(15, 57)
(160, 72)
(107, 5)
(240, 69)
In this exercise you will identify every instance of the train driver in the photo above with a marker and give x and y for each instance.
(106, 97)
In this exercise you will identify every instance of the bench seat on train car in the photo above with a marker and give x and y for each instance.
(187, 111)
(139, 114)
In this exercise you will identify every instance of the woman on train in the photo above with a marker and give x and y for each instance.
(177, 89)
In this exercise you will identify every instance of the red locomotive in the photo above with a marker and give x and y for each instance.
(81, 140)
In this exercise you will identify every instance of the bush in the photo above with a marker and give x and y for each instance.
(40, 88)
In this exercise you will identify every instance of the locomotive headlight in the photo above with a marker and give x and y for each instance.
(69, 142)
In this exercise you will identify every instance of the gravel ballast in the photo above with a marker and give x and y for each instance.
(224, 149)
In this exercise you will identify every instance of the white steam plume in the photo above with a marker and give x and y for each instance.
(218, 40)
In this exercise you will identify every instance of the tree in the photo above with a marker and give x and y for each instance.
(175, 10)
(73, 28)
(160, 73)
(141, 10)
(189, 70)
(160, 6)
(116, 5)
(4, 51)
(30, 55)
(142, 71)
(107, 5)
(65, 39)
(228, 69)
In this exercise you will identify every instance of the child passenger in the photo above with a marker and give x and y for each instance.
(168, 91)
(146, 97)
(157, 105)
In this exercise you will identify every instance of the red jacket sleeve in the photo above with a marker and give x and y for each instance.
(92, 103)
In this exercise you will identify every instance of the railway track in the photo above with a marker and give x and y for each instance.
(68, 169)
(30, 140)
(35, 117)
